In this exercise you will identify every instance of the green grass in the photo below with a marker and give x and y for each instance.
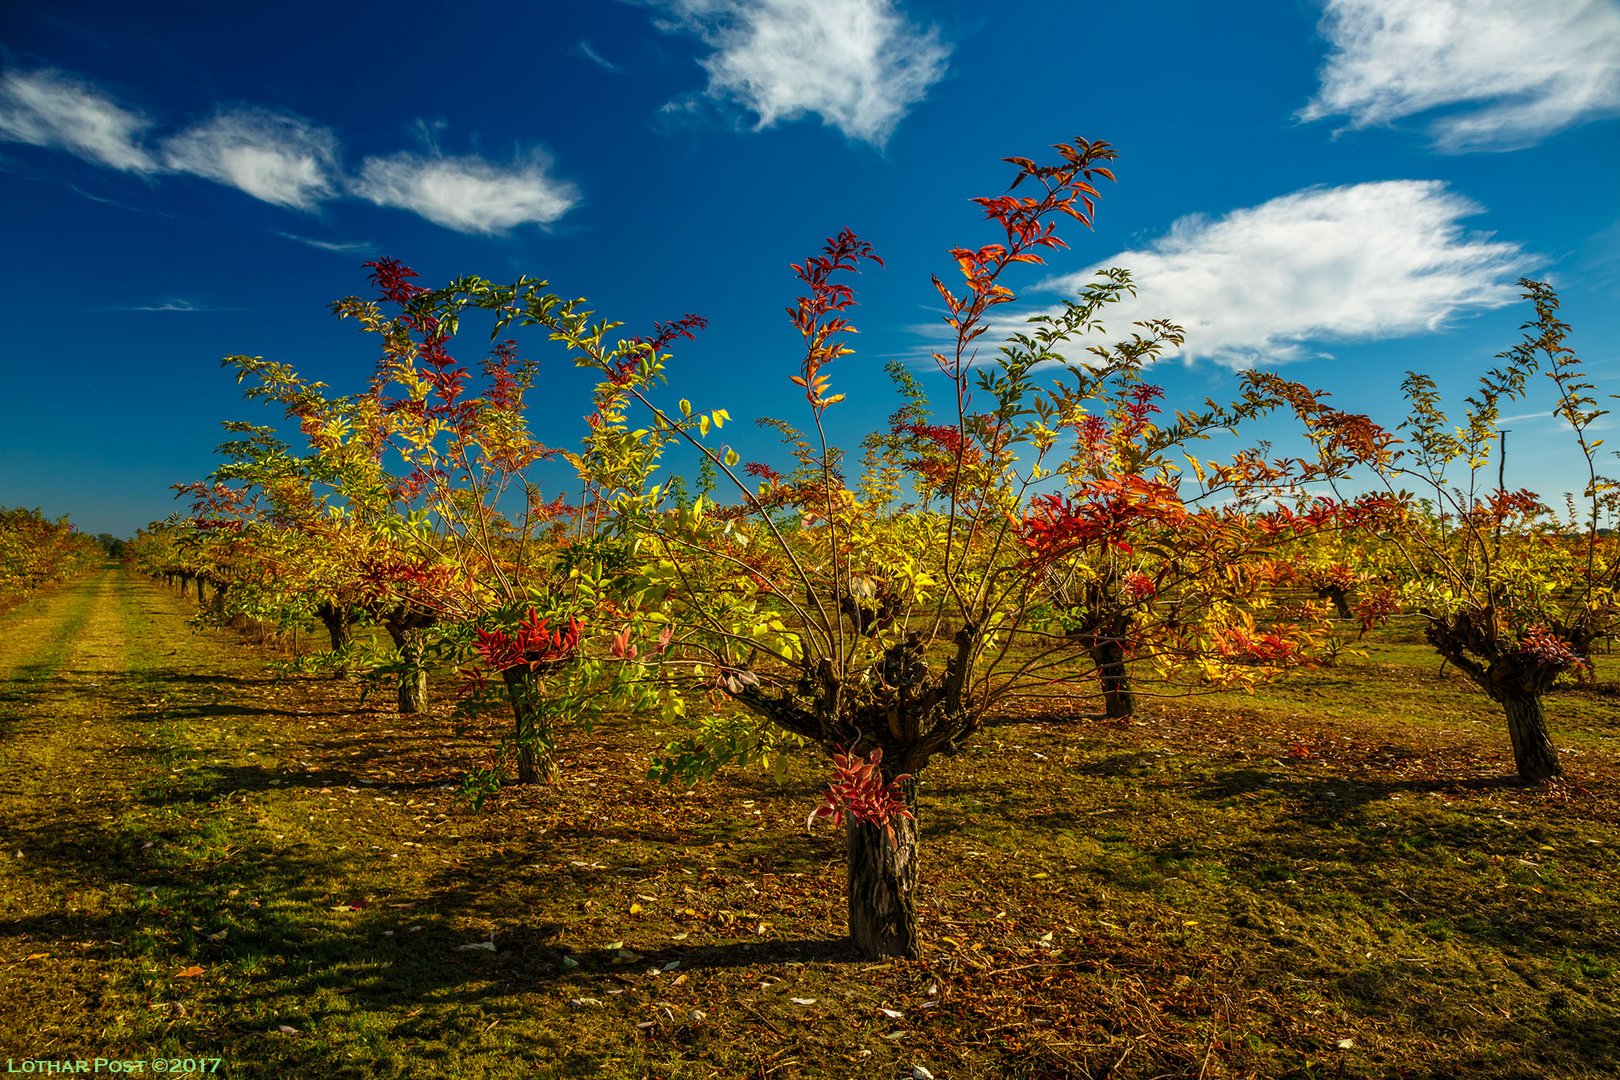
(1169, 895)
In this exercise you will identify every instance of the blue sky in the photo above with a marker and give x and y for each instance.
(1345, 190)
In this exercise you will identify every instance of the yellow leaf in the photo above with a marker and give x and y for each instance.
(188, 972)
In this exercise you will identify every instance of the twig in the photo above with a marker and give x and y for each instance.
(1026, 967)
(762, 1018)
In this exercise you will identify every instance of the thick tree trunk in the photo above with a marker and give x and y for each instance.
(404, 630)
(883, 884)
(536, 758)
(1341, 600)
(412, 680)
(412, 675)
(1118, 700)
(1533, 750)
(338, 622)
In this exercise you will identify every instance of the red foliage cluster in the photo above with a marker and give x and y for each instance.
(858, 789)
(1268, 650)
(533, 646)
(1101, 513)
(1139, 587)
(1547, 648)
(1508, 504)
(386, 571)
(1377, 607)
(1370, 511)
(504, 392)
(408, 487)
(761, 471)
(940, 447)
(1337, 576)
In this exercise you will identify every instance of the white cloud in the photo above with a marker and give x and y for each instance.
(48, 108)
(467, 194)
(274, 157)
(1276, 282)
(857, 64)
(1530, 67)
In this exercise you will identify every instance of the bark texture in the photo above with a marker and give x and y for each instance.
(1109, 656)
(1533, 751)
(882, 866)
(536, 758)
(403, 624)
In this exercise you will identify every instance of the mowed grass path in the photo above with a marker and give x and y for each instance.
(199, 858)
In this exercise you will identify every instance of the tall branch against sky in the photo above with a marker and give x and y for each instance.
(859, 65)
(1524, 68)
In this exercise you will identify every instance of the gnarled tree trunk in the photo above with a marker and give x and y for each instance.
(402, 627)
(1515, 677)
(882, 864)
(536, 759)
(1109, 655)
(1340, 598)
(339, 622)
(1533, 751)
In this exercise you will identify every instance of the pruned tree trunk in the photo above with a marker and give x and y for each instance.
(404, 625)
(1340, 598)
(339, 622)
(412, 680)
(1533, 751)
(882, 865)
(412, 673)
(536, 758)
(1118, 699)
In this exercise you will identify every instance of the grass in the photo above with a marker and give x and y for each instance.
(1329, 878)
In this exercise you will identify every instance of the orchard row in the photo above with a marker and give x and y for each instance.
(1033, 520)
(36, 551)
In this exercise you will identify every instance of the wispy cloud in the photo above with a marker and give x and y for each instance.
(171, 305)
(859, 65)
(340, 247)
(50, 109)
(467, 194)
(1529, 68)
(584, 48)
(275, 157)
(283, 159)
(1279, 281)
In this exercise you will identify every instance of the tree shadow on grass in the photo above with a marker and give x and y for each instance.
(1316, 799)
